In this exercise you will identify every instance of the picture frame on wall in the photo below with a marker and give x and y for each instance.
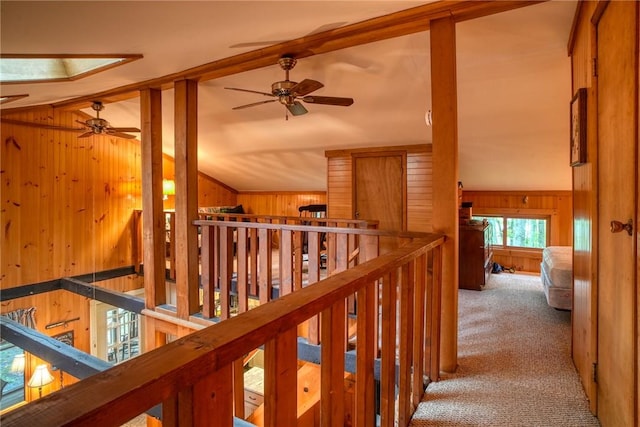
(65, 337)
(578, 128)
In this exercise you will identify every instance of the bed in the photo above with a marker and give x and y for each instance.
(556, 272)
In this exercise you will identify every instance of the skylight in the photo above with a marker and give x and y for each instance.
(47, 68)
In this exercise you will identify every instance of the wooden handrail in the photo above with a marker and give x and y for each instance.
(196, 370)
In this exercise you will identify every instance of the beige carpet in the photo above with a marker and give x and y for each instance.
(514, 359)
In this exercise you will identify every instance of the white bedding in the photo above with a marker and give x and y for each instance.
(556, 271)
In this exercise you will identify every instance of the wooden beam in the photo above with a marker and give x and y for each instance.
(77, 363)
(29, 290)
(445, 176)
(153, 228)
(186, 167)
(385, 27)
(118, 299)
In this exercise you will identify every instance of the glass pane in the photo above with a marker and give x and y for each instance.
(526, 232)
(11, 375)
(495, 231)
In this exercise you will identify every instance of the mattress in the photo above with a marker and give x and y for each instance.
(556, 271)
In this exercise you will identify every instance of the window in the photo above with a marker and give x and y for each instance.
(518, 232)
(123, 338)
(11, 374)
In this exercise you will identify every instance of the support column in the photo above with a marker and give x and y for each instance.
(152, 209)
(445, 177)
(186, 166)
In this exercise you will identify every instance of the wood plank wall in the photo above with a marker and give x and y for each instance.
(585, 207)
(284, 203)
(419, 196)
(555, 204)
(66, 209)
(66, 201)
(211, 192)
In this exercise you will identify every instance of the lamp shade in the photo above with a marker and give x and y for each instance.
(40, 377)
(168, 187)
(17, 365)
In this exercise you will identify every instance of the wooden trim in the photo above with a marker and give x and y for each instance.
(574, 28)
(599, 11)
(397, 24)
(353, 152)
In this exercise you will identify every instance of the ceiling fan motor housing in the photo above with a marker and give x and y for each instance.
(283, 91)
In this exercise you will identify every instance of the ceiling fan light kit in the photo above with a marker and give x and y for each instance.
(287, 92)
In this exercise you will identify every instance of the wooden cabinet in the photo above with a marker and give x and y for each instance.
(476, 255)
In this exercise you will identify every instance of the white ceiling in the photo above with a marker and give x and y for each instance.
(513, 84)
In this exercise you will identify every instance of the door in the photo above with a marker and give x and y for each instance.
(379, 192)
(617, 198)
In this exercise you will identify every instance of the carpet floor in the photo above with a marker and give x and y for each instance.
(514, 363)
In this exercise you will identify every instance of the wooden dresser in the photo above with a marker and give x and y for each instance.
(476, 255)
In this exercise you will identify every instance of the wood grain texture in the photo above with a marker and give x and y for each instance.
(584, 215)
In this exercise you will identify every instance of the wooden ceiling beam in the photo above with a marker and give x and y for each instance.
(396, 24)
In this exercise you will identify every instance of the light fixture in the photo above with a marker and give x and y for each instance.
(168, 188)
(40, 378)
(428, 118)
(18, 363)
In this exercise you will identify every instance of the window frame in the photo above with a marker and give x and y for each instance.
(506, 216)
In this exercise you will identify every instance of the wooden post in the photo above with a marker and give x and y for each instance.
(445, 177)
(186, 165)
(152, 211)
(365, 350)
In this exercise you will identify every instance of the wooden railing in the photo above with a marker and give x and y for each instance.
(396, 301)
(170, 219)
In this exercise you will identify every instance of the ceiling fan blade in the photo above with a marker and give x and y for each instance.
(297, 109)
(250, 91)
(306, 86)
(124, 129)
(253, 104)
(86, 134)
(82, 123)
(121, 135)
(328, 100)
(39, 125)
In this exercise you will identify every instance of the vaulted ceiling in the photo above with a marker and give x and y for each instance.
(513, 84)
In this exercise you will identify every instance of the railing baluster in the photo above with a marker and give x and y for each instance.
(253, 252)
(242, 284)
(405, 409)
(313, 275)
(207, 255)
(388, 354)
(213, 399)
(365, 351)
(286, 262)
(419, 314)
(332, 365)
(280, 380)
(226, 253)
(264, 267)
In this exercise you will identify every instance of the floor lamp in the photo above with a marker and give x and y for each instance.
(40, 378)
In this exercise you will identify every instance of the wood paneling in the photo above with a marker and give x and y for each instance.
(66, 202)
(211, 192)
(585, 208)
(282, 203)
(419, 188)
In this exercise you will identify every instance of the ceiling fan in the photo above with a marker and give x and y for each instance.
(288, 92)
(99, 125)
